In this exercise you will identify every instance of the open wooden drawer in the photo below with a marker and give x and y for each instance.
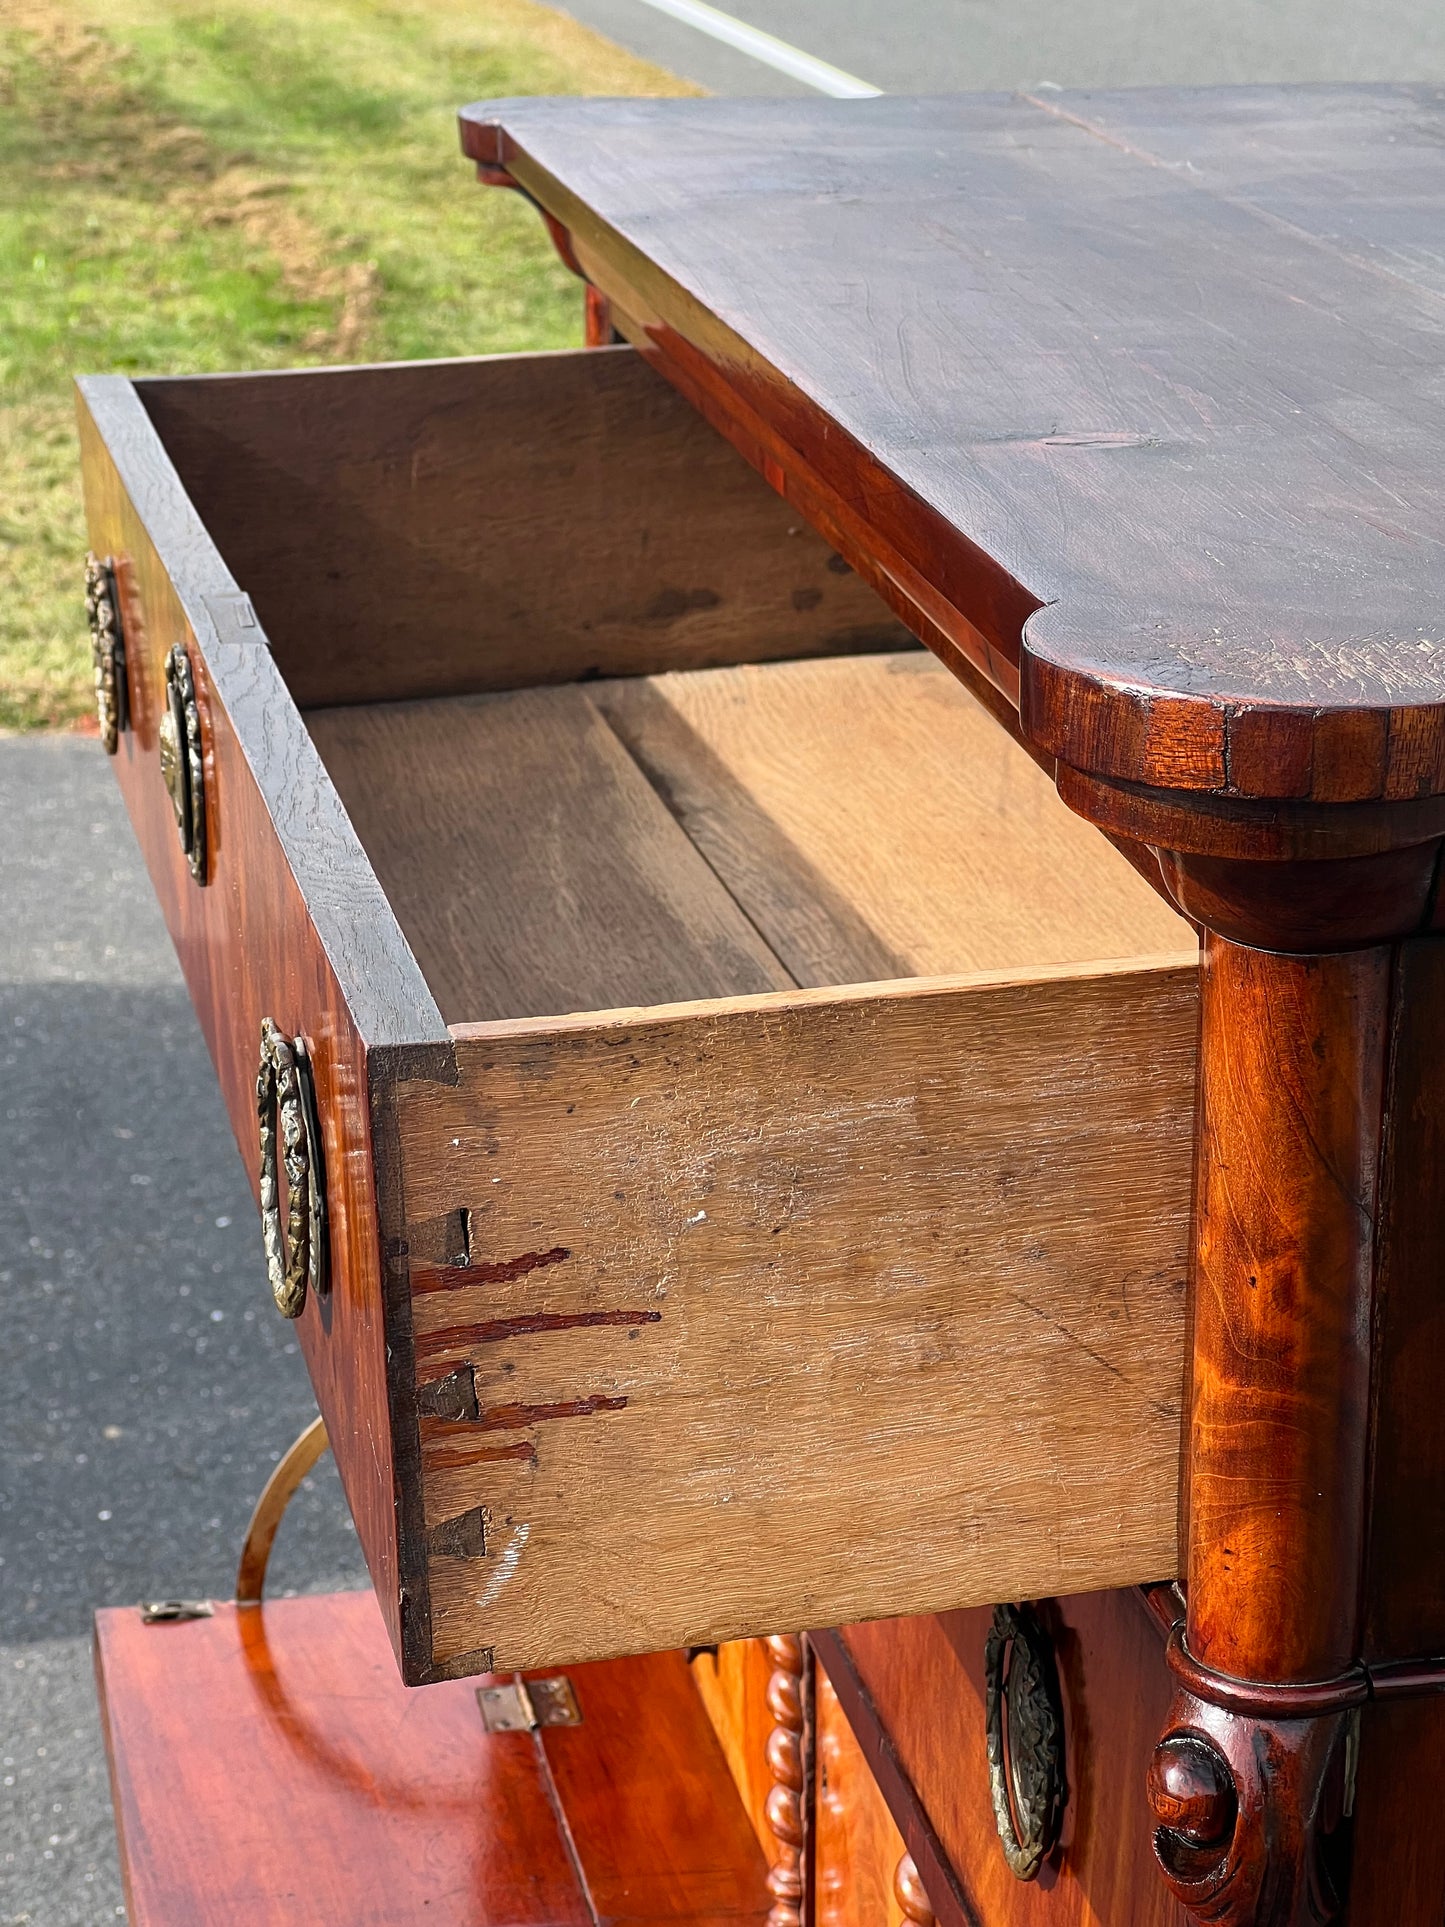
(755, 1114)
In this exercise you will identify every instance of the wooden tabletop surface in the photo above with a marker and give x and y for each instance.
(1153, 383)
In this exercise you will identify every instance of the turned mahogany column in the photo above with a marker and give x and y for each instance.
(1246, 1797)
(1309, 979)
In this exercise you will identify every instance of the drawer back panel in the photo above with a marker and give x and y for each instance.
(440, 527)
(802, 1308)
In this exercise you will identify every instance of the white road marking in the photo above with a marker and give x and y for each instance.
(767, 48)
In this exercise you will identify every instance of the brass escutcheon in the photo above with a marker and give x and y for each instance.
(182, 766)
(290, 1139)
(1025, 1737)
(107, 650)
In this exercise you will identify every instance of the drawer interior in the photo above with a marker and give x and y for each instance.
(615, 727)
(718, 832)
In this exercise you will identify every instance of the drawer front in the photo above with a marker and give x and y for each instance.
(287, 921)
(893, 1762)
(913, 1693)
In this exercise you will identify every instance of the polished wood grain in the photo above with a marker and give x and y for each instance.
(789, 1753)
(784, 775)
(1404, 1607)
(1249, 1814)
(1286, 151)
(650, 1808)
(1145, 511)
(1399, 1865)
(316, 1787)
(908, 1891)
(1398, 1873)
(732, 1680)
(1275, 1495)
(469, 525)
(291, 924)
(727, 1363)
(913, 1692)
(1293, 1056)
(857, 1846)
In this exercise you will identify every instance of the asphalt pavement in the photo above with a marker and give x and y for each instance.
(149, 1385)
(951, 46)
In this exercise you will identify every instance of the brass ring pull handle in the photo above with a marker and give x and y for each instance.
(1025, 1737)
(279, 1492)
(290, 1144)
(182, 764)
(107, 650)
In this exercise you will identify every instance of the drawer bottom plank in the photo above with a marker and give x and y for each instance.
(530, 863)
(875, 822)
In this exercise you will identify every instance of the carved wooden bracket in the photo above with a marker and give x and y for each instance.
(1247, 1814)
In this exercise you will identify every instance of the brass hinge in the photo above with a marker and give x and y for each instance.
(524, 1705)
(166, 1612)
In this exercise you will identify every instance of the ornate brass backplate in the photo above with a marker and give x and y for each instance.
(182, 765)
(290, 1140)
(107, 650)
(1025, 1733)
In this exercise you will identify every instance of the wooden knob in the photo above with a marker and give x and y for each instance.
(1192, 1791)
(908, 1892)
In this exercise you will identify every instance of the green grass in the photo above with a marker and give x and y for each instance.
(187, 187)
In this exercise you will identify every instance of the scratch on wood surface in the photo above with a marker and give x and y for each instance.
(1073, 1338)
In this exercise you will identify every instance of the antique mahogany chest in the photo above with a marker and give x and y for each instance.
(767, 1127)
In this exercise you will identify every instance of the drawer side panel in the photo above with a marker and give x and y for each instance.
(806, 1309)
(247, 940)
